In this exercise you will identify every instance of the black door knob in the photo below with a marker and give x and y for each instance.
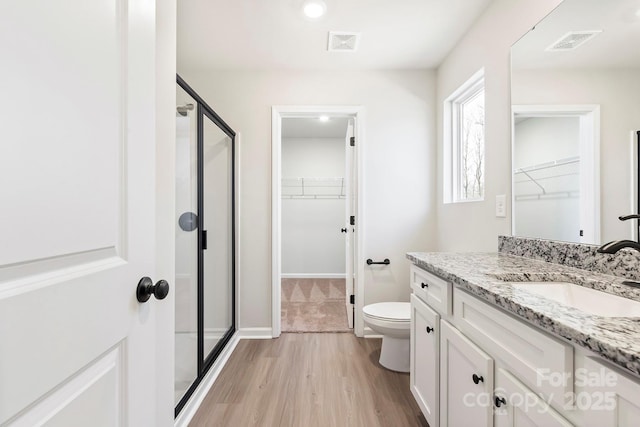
(344, 230)
(500, 401)
(146, 288)
(429, 329)
(477, 379)
(424, 285)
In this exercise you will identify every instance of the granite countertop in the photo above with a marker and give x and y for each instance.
(484, 274)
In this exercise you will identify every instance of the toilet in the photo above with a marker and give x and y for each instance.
(393, 321)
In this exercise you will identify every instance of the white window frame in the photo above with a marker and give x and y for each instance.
(452, 142)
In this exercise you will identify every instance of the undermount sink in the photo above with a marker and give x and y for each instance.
(584, 299)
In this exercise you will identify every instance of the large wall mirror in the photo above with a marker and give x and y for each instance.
(575, 94)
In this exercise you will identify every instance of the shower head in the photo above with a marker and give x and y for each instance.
(183, 110)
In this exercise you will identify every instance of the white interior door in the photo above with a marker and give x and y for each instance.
(77, 215)
(350, 185)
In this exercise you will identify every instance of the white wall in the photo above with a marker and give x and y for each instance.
(399, 187)
(545, 139)
(539, 140)
(473, 226)
(312, 244)
(618, 94)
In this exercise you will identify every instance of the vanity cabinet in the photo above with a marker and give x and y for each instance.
(425, 359)
(458, 340)
(491, 366)
(466, 374)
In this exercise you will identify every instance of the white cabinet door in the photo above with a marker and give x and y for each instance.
(425, 359)
(608, 397)
(517, 406)
(466, 381)
(77, 214)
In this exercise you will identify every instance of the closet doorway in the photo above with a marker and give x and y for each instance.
(316, 208)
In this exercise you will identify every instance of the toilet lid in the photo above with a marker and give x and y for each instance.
(390, 311)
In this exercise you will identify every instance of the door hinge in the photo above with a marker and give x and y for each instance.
(352, 220)
(352, 141)
(352, 299)
(204, 239)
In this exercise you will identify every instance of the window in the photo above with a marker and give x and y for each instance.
(464, 142)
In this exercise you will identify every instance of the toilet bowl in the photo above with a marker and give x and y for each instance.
(393, 321)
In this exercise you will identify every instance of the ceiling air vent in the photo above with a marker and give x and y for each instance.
(572, 40)
(340, 41)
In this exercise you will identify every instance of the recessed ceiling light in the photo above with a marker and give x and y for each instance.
(323, 118)
(314, 9)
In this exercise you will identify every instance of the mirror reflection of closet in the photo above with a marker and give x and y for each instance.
(556, 183)
(583, 55)
(547, 178)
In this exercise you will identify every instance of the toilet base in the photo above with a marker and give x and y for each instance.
(395, 354)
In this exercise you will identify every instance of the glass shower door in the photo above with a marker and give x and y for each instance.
(186, 256)
(205, 236)
(217, 214)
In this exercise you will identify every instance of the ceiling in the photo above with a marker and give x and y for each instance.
(274, 34)
(617, 46)
(336, 127)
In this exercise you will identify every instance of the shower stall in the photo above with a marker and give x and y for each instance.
(205, 240)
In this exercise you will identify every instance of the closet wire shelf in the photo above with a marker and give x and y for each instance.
(550, 180)
(313, 188)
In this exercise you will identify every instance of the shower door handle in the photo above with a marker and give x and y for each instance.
(204, 240)
(146, 288)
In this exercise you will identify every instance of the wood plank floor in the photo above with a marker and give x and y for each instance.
(314, 379)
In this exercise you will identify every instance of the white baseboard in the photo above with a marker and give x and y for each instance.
(255, 333)
(313, 275)
(190, 409)
(370, 333)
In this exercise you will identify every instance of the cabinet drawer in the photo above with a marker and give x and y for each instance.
(433, 290)
(541, 361)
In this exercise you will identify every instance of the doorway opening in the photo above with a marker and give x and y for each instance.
(316, 214)
(313, 209)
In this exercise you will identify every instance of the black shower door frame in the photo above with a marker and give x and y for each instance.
(204, 111)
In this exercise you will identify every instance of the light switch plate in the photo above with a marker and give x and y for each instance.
(501, 206)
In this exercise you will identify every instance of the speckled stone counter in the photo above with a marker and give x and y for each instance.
(625, 263)
(484, 275)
